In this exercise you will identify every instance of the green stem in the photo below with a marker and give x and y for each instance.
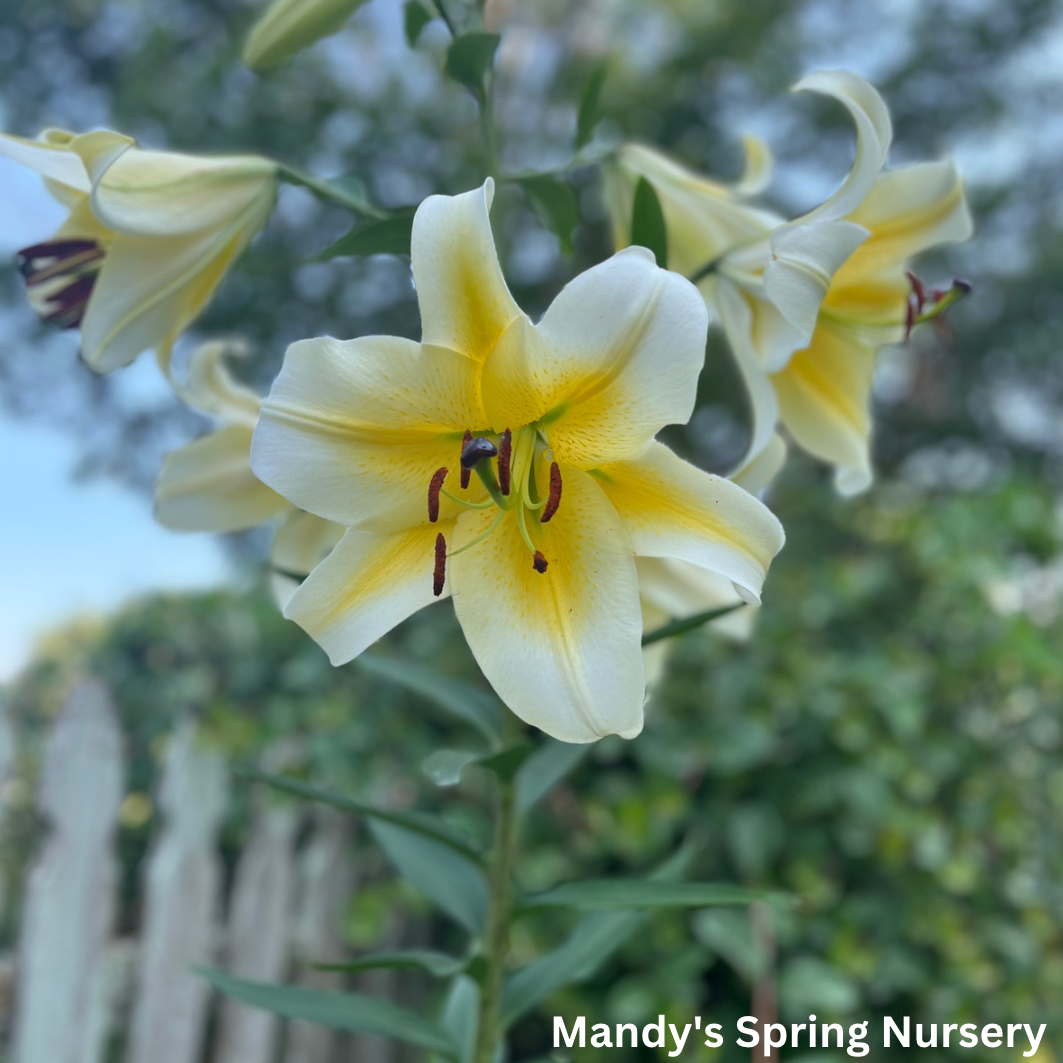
(441, 8)
(325, 190)
(487, 128)
(496, 940)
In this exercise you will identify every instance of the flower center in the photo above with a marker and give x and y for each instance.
(505, 465)
(60, 276)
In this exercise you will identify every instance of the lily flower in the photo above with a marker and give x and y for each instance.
(806, 304)
(289, 26)
(149, 237)
(512, 466)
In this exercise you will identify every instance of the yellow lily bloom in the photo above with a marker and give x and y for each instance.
(512, 466)
(806, 304)
(289, 26)
(149, 237)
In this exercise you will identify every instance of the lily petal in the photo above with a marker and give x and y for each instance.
(675, 590)
(367, 585)
(208, 485)
(213, 390)
(824, 395)
(615, 358)
(758, 472)
(760, 163)
(670, 508)
(561, 647)
(353, 430)
(302, 542)
(289, 26)
(53, 162)
(465, 304)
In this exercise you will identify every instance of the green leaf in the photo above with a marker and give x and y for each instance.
(471, 57)
(381, 236)
(468, 703)
(343, 1011)
(432, 828)
(444, 766)
(556, 204)
(647, 222)
(679, 627)
(544, 769)
(348, 190)
(603, 895)
(507, 763)
(590, 98)
(416, 17)
(437, 964)
(446, 877)
(461, 1016)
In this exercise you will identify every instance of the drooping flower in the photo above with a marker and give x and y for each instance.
(806, 304)
(289, 26)
(149, 237)
(512, 466)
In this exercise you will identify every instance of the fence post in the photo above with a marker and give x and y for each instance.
(70, 894)
(181, 908)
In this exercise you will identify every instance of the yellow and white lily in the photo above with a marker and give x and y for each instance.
(512, 466)
(288, 26)
(149, 237)
(806, 304)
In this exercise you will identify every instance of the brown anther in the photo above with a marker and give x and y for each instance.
(465, 473)
(439, 576)
(539, 562)
(505, 454)
(554, 500)
(435, 485)
(917, 289)
(909, 321)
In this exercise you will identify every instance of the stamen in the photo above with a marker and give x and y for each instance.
(465, 473)
(554, 501)
(917, 289)
(480, 538)
(505, 455)
(539, 562)
(434, 487)
(476, 450)
(66, 307)
(439, 576)
(464, 502)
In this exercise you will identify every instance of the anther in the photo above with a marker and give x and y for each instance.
(465, 473)
(439, 576)
(917, 289)
(476, 450)
(539, 562)
(434, 487)
(505, 454)
(554, 500)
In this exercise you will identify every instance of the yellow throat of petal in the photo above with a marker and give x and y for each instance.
(506, 467)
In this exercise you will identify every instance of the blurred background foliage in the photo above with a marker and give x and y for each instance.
(887, 746)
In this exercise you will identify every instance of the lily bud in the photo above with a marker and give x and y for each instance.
(289, 26)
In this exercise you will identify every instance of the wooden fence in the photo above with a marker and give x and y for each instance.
(81, 993)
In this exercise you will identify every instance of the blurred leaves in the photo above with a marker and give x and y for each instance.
(471, 57)
(647, 222)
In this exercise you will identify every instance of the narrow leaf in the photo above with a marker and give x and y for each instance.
(416, 17)
(446, 877)
(544, 769)
(507, 763)
(602, 895)
(461, 1016)
(431, 827)
(437, 964)
(468, 703)
(444, 766)
(679, 627)
(471, 57)
(589, 111)
(556, 204)
(382, 236)
(647, 222)
(342, 1011)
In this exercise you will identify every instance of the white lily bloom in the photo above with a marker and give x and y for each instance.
(557, 420)
(149, 237)
(806, 304)
(289, 26)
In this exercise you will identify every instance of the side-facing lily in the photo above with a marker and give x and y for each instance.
(513, 466)
(149, 237)
(805, 304)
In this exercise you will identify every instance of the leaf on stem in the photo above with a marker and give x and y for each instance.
(603, 895)
(381, 236)
(474, 706)
(556, 204)
(444, 766)
(437, 964)
(415, 17)
(544, 769)
(647, 222)
(679, 627)
(471, 57)
(342, 1011)
(446, 877)
(461, 1015)
(589, 111)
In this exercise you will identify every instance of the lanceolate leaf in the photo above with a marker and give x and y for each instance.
(603, 895)
(544, 769)
(588, 105)
(679, 627)
(381, 236)
(437, 964)
(416, 17)
(471, 57)
(468, 703)
(416, 822)
(647, 222)
(461, 1016)
(342, 1011)
(555, 202)
(451, 880)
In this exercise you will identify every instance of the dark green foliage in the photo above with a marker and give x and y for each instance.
(647, 222)
(471, 57)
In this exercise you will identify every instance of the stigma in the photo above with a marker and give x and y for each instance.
(60, 276)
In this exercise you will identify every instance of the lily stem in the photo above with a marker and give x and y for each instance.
(496, 939)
